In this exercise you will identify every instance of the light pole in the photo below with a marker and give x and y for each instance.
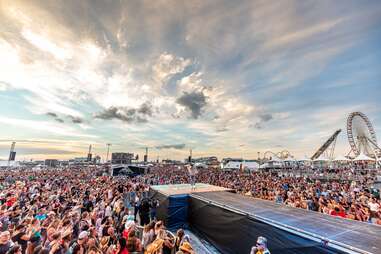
(108, 150)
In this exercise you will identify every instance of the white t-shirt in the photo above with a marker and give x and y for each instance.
(192, 170)
(374, 207)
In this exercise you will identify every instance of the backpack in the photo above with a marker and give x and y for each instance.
(154, 247)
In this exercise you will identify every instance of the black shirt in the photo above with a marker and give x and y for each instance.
(18, 239)
(5, 247)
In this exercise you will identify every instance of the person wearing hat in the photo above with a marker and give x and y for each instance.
(81, 243)
(260, 247)
(186, 248)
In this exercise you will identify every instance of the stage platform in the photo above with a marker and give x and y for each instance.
(236, 214)
(181, 189)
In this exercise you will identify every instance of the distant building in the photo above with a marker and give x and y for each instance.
(53, 163)
(171, 162)
(211, 161)
(241, 164)
(80, 159)
(122, 158)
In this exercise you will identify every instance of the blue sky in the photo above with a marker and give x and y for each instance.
(226, 78)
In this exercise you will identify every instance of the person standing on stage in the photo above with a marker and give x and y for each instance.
(192, 170)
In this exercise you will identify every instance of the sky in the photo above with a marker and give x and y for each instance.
(224, 78)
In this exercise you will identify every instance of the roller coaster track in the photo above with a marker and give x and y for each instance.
(324, 147)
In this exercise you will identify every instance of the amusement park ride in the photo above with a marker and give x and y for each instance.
(361, 136)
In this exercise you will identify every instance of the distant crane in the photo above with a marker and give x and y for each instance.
(328, 146)
(12, 154)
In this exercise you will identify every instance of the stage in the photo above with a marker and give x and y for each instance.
(232, 222)
(179, 189)
(340, 235)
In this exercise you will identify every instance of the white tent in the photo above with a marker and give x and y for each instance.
(341, 158)
(9, 164)
(290, 159)
(276, 159)
(232, 165)
(305, 158)
(250, 165)
(363, 157)
(322, 158)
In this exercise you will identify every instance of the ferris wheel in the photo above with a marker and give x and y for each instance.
(361, 135)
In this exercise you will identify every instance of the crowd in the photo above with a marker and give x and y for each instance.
(348, 199)
(76, 212)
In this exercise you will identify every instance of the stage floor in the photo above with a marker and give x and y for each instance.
(178, 189)
(365, 237)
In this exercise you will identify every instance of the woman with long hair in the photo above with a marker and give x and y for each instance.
(133, 243)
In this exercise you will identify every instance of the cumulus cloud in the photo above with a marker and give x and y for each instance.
(193, 102)
(55, 116)
(75, 119)
(125, 114)
(168, 65)
(64, 57)
(263, 118)
(51, 114)
(222, 129)
(175, 146)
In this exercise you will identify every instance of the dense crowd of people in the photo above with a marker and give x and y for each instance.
(77, 210)
(348, 199)
(74, 211)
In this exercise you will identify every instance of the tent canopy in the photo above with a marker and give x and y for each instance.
(363, 157)
(305, 158)
(341, 158)
(322, 158)
(290, 159)
(276, 159)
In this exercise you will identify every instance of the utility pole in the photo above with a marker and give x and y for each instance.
(108, 150)
(12, 154)
(146, 156)
(89, 155)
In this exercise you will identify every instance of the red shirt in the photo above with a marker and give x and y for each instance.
(125, 234)
(340, 213)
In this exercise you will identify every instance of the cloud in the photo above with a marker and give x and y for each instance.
(263, 118)
(125, 114)
(43, 126)
(55, 116)
(43, 151)
(176, 146)
(3, 86)
(194, 102)
(222, 129)
(51, 114)
(197, 58)
(75, 119)
(168, 65)
(146, 109)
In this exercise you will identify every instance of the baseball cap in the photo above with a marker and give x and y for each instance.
(83, 235)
